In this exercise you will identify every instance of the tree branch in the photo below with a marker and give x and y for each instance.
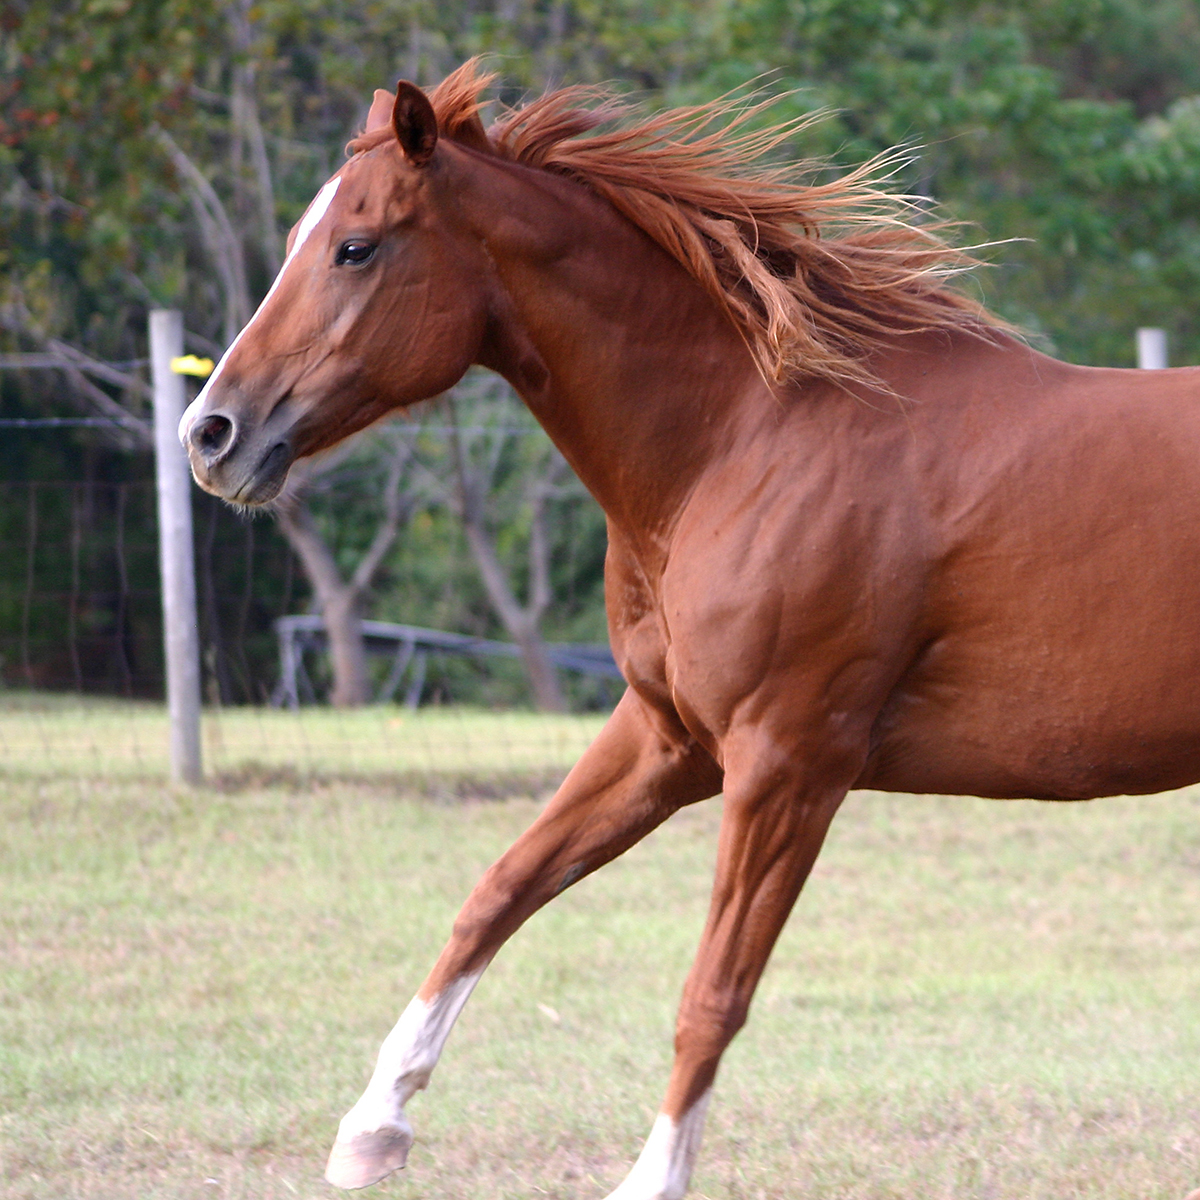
(217, 231)
(296, 520)
(244, 110)
(396, 509)
(134, 433)
(94, 366)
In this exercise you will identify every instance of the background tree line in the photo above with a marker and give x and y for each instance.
(154, 152)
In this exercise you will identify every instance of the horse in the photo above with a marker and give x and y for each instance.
(860, 533)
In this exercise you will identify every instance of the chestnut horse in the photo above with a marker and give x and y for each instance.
(859, 534)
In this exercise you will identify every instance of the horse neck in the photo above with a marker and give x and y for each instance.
(627, 363)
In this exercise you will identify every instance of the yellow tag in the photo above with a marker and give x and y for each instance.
(189, 364)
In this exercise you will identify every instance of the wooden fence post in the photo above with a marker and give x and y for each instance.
(181, 638)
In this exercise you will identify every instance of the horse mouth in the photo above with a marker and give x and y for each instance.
(268, 478)
(247, 489)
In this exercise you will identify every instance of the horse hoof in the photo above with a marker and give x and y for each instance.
(367, 1158)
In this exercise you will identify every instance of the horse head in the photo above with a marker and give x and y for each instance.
(381, 302)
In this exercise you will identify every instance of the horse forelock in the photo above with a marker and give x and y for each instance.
(817, 276)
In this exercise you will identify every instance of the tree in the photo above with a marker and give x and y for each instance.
(153, 151)
(340, 594)
(226, 189)
(479, 446)
(1061, 125)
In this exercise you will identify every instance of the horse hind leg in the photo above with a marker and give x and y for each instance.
(775, 819)
(636, 773)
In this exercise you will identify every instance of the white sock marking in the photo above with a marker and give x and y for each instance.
(406, 1059)
(309, 222)
(665, 1164)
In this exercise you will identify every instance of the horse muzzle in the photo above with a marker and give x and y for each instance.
(242, 465)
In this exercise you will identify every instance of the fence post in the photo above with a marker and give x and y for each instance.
(181, 640)
(1152, 349)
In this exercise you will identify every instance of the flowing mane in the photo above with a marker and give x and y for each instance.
(816, 276)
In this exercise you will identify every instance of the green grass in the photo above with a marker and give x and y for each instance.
(46, 735)
(972, 1000)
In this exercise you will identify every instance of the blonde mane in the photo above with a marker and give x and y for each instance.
(816, 276)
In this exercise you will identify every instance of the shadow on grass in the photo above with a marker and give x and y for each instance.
(424, 785)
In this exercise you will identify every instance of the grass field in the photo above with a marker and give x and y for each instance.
(972, 999)
(46, 735)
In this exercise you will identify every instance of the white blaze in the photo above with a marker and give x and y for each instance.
(665, 1164)
(309, 222)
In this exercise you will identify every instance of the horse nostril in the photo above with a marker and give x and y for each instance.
(213, 437)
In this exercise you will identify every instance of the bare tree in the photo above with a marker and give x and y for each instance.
(246, 220)
(340, 599)
(225, 239)
(476, 454)
(217, 232)
(130, 430)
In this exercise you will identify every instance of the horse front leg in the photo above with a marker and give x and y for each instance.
(777, 812)
(640, 769)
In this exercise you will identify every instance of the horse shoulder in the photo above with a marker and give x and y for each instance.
(636, 631)
(795, 576)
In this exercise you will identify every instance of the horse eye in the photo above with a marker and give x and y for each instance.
(354, 252)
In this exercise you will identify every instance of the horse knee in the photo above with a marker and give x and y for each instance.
(704, 1027)
(476, 923)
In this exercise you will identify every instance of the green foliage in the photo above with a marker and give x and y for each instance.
(1072, 124)
(90, 196)
(1069, 125)
(1066, 131)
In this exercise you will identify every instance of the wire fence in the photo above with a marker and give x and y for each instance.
(445, 751)
(81, 664)
(83, 612)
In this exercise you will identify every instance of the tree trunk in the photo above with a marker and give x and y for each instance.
(543, 676)
(521, 625)
(521, 621)
(347, 650)
(338, 603)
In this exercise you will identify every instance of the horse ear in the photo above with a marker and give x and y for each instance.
(414, 122)
(381, 110)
